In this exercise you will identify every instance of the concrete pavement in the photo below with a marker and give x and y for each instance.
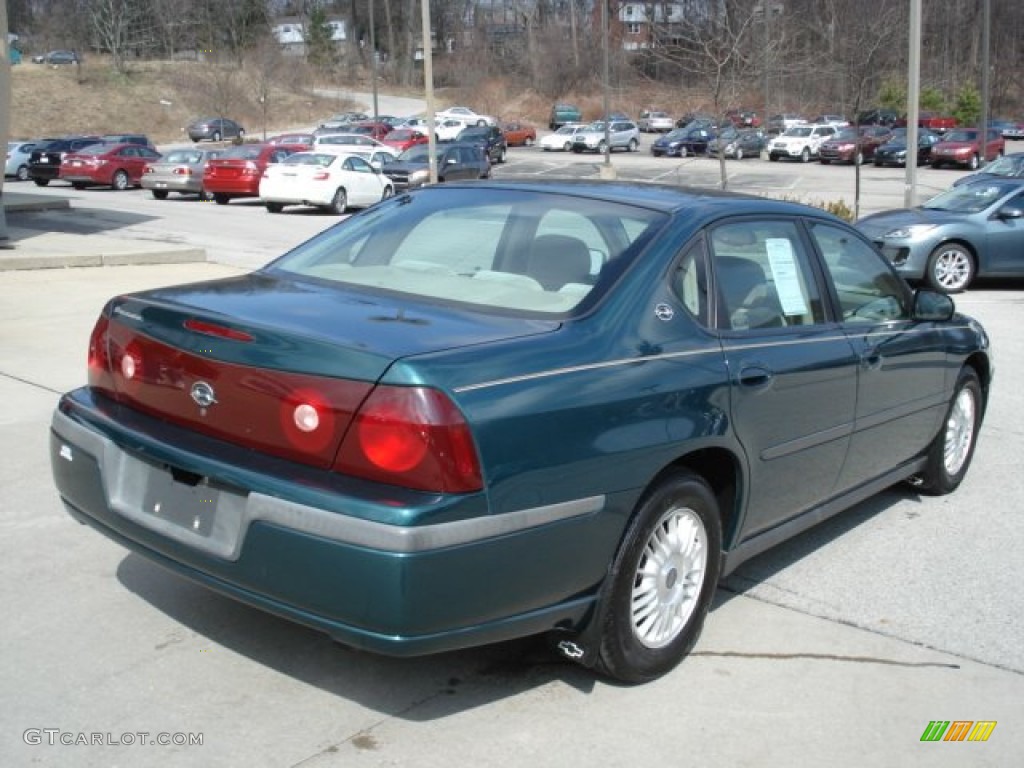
(34, 247)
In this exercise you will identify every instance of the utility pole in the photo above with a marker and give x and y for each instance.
(913, 97)
(5, 108)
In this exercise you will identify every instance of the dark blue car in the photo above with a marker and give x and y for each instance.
(481, 410)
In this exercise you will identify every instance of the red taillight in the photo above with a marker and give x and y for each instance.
(99, 356)
(181, 171)
(322, 176)
(250, 168)
(215, 329)
(413, 437)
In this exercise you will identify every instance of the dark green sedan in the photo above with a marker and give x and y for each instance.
(486, 410)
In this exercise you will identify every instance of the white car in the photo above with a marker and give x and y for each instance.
(418, 124)
(18, 153)
(562, 139)
(622, 134)
(347, 140)
(655, 122)
(468, 115)
(801, 142)
(334, 181)
(375, 156)
(448, 128)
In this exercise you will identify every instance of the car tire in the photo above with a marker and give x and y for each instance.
(159, 194)
(528, 141)
(339, 202)
(502, 154)
(41, 182)
(682, 152)
(950, 268)
(739, 153)
(676, 528)
(773, 158)
(275, 207)
(389, 191)
(481, 123)
(568, 146)
(824, 161)
(633, 145)
(220, 198)
(858, 159)
(602, 146)
(215, 136)
(241, 134)
(22, 173)
(79, 185)
(953, 448)
(120, 180)
(973, 163)
(805, 155)
(204, 196)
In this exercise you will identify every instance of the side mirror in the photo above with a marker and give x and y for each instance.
(1010, 212)
(933, 306)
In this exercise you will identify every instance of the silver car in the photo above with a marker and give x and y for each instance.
(18, 153)
(972, 230)
(622, 134)
(181, 171)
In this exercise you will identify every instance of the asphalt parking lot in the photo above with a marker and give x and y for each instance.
(838, 647)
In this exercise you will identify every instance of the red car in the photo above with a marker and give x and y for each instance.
(375, 130)
(110, 165)
(962, 147)
(237, 171)
(519, 134)
(403, 138)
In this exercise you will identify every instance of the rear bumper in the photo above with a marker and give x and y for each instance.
(178, 184)
(395, 589)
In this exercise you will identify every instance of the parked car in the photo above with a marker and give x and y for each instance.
(835, 120)
(1005, 167)
(342, 120)
(448, 128)
(128, 138)
(374, 129)
(110, 165)
(466, 115)
(962, 147)
(495, 409)
(894, 151)
(622, 134)
(489, 138)
(681, 142)
(18, 155)
(561, 139)
(878, 116)
(181, 171)
(214, 129)
(1002, 125)
(293, 139)
(933, 121)
(346, 139)
(655, 121)
(801, 142)
(738, 143)
(519, 134)
(237, 171)
(403, 138)
(44, 162)
(564, 114)
(411, 169)
(377, 157)
(332, 181)
(972, 230)
(1015, 132)
(783, 121)
(58, 58)
(853, 144)
(418, 124)
(694, 119)
(743, 118)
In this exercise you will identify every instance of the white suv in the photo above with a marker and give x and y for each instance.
(800, 142)
(622, 134)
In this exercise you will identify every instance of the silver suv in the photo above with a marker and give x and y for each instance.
(622, 134)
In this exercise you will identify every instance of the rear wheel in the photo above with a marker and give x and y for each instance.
(805, 156)
(501, 155)
(528, 141)
(633, 145)
(22, 173)
(950, 268)
(216, 136)
(662, 580)
(951, 453)
(78, 185)
(773, 158)
(568, 146)
(389, 191)
(339, 202)
(220, 198)
(973, 163)
(739, 153)
(274, 207)
(41, 182)
(602, 147)
(858, 159)
(120, 180)
(160, 194)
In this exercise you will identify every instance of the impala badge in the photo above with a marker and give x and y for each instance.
(203, 394)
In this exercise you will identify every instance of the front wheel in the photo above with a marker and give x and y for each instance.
(22, 174)
(528, 141)
(633, 145)
(120, 181)
(805, 156)
(662, 580)
(159, 194)
(41, 182)
(773, 158)
(79, 185)
(216, 136)
(739, 153)
(951, 452)
(501, 155)
(220, 198)
(973, 163)
(950, 268)
(389, 191)
(274, 207)
(567, 146)
(602, 147)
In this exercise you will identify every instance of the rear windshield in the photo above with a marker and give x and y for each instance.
(512, 251)
(241, 153)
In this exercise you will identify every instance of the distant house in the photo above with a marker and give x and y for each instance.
(290, 32)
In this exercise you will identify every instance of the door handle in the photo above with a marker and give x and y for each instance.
(871, 360)
(755, 376)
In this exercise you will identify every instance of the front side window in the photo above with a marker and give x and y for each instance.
(868, 290)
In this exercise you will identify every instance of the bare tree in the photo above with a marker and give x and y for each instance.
(120, 27)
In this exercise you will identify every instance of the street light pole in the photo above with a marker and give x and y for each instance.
(428, 84)
(604, 77)
(373, 59)
(913, 97)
